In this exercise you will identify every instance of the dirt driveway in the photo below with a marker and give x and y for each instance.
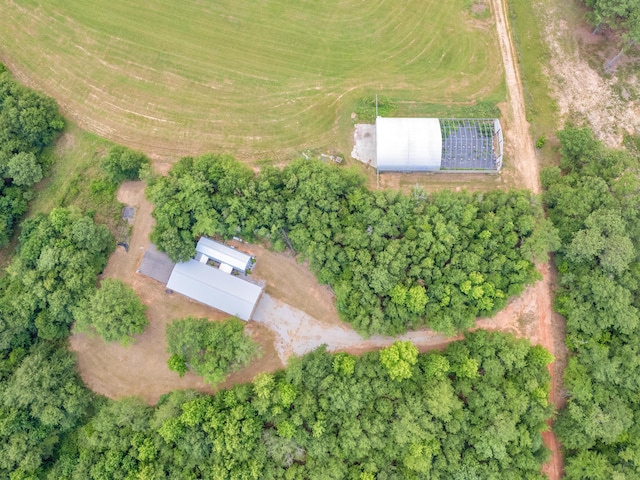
(548, 330)
(297, 332)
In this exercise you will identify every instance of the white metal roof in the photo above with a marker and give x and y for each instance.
(217, 289)
(226, 268)
(408, 144)
(223, 254)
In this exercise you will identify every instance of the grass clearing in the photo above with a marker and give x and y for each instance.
(76, 179)
(533, 55)
(256, 79)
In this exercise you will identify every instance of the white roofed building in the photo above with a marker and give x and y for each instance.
(208, 249)
(437, 145)
(215, 288)
(408, 144)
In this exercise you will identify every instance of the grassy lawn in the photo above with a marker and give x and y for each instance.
(76, 179)
(257, 79)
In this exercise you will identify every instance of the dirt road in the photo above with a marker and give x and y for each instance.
(550, 326)
(518, 141)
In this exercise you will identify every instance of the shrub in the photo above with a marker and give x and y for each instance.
(209, 349)
(123, 164)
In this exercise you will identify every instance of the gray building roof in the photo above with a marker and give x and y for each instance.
(215, 288)
(223, 254)
(156, 264)
(408, 144)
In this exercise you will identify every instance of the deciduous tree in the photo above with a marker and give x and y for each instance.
(114, 312)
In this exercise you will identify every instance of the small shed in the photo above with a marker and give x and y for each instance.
(156, 264)
(215, 288)
(208, 249)
(408, 144)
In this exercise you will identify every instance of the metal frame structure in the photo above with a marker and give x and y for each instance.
(438, 145)
(471, 144)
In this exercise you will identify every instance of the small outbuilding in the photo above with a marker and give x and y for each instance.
(229, 258)
(215, 288)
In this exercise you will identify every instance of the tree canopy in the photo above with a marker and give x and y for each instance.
(114, 312)
(618, 14)
(29, 122)
(122, 163)
(59, 256)
(40, 401)
(399, 359)
(395, 261)
(595, 203)
(210, 349)
(315, 421)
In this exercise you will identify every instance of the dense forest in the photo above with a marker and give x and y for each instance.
(28, 123)
(396, 262)
(473, 411)
(593, 199)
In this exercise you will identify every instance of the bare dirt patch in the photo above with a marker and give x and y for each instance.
(581, 90)
(293, 283)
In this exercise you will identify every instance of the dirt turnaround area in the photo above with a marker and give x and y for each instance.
(141, 369)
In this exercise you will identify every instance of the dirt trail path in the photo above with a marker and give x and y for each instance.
(518, 140)
(550, 326)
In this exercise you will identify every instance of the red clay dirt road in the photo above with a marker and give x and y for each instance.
(550, 331)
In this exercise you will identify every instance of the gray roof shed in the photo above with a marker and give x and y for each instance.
(223, 254)
(156, 264)
(215, 288)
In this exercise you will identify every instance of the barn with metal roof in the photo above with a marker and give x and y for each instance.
(215, 288)
(229, 258)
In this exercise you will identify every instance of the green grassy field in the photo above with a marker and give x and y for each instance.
(76, 179)
(262, 78)
(533, 56)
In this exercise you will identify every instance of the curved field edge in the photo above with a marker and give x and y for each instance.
(258, 80)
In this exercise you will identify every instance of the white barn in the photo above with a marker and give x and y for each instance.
(229, 258)
(215, 288)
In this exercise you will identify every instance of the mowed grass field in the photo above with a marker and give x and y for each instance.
(259, 79)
